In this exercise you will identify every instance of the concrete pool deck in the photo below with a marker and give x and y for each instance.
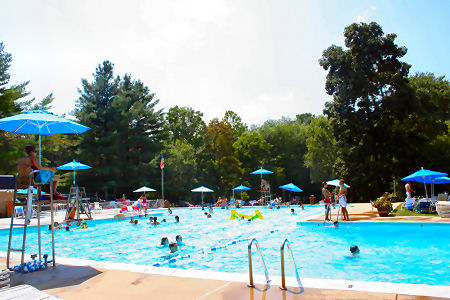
(87, 282)
(363, 212)
(96, 280)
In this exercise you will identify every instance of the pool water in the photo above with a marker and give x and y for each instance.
(390, 252)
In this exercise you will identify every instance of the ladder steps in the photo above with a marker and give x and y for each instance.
(17, 250)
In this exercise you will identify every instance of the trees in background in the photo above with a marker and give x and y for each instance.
(378, 114)
(127, 132)
(381, 125)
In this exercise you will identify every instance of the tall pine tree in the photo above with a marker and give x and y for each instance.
(126, 132)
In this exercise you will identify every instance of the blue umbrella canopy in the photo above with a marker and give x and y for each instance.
(261, 171)
(241, 188)
(73, 166)
(439, 180)
(423, 175)
(291, 187)
(40, 122)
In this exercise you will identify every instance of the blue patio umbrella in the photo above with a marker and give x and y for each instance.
(291, 187)
(423, 175)
(40, 122)
(437, 180)
(73, 166)
(260, 172)
(240, 188)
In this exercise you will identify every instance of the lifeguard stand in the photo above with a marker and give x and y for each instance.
(77, 204)
(11, 182)
(265, 191)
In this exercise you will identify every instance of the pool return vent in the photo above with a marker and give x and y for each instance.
(250, 267)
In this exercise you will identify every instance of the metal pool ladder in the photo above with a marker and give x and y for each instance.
(250, 267)
(283, 281)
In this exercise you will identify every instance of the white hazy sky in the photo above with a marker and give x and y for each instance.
(258, 58)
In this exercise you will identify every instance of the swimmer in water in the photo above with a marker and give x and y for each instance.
(354, 252)
(164, 241)
(179, 240)
(173, 247)
(292, 211)
(131, 220)
(177, 219)
(155, 221)
(207, 215)
(335, 224)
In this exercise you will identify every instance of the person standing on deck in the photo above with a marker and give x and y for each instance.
(408, 190)
(327, 195)
(342, 198)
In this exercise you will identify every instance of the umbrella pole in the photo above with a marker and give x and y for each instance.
(40, 150)
(425, 186)
(74, 177)
(202, 197)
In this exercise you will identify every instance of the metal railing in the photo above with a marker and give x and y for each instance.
(283, 280)
(250, 267)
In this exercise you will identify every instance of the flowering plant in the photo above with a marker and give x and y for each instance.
(383, 203)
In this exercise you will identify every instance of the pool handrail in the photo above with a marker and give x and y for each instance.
(283, 280)
(250, 266)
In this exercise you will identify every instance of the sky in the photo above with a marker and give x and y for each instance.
(257, 58)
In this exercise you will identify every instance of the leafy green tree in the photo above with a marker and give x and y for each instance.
(252, 150)
(220, 164)
(11, 103)
(371, 111)
(184, 123)
(235, 123)
(288, 138)
(181, 172)
(322, 151)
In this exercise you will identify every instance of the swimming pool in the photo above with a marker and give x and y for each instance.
(390, 252)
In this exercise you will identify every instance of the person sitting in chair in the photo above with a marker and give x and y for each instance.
(30, 163)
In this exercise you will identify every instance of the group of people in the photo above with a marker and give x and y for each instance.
(81, 224)
(331, 200)
(174, 245)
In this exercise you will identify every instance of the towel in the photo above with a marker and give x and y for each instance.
(44, 176)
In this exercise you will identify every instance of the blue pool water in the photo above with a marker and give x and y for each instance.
(390, 252)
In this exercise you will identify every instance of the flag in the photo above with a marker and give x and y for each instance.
(161, 165)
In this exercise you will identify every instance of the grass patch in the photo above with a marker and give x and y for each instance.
(402, 211)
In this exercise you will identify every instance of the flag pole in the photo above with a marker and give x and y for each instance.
(162, 176)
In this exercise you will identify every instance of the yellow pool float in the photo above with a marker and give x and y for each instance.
(235, 215)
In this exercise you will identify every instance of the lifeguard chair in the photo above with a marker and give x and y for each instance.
(28, 178)
(265, 191)
(77, 204)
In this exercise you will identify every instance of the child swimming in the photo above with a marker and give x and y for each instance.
(354, 252)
